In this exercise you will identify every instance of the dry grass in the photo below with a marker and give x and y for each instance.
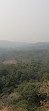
(10, 62)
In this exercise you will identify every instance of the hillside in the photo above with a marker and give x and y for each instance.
(23, 52)
(24, 87)
(23, 45)
(24, 78)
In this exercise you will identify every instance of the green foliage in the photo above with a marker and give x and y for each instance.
(24, 86)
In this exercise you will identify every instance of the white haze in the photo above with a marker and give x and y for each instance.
(24, 20)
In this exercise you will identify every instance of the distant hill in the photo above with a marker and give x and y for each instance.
(10, 44)
(40, 45)
(23, 45)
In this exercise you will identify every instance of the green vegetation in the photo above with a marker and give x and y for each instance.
(25, 85)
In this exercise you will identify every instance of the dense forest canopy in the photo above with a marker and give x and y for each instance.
(24, 79)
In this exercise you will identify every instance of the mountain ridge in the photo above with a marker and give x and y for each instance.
(23, 45)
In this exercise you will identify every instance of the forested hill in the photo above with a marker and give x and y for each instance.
(24, 76)
(23, 45)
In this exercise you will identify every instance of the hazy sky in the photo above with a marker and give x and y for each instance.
(24, 20)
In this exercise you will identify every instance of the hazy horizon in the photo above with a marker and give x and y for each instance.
(24, 20)
(12, 41)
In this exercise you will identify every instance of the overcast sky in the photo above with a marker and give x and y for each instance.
(24, 20)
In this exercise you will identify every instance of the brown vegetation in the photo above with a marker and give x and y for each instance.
(5, 109)
(10, 62)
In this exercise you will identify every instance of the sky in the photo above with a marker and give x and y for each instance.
(24, 20)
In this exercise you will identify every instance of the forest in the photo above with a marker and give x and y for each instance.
(24, 85)
(24, 55)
